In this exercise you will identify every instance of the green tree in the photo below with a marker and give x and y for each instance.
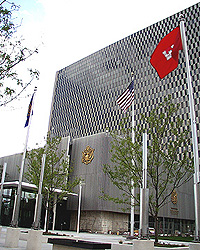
(167, 168)
(56, 173)
(12, 54)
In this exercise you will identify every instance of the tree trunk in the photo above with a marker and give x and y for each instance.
(48, 219)
(156, 227)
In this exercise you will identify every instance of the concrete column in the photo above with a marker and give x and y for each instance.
(144, 213)
(12, 237)
(45, 220)
(54, 211)
(34, 241)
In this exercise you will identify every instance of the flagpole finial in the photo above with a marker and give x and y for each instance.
(132, 75)
(181, 17)
(35, 89)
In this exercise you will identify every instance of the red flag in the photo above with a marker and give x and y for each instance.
(165, 57)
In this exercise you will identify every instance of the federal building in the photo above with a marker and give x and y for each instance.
(84, 109)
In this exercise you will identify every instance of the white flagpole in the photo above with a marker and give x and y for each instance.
(194, 130)
(144, 179)
(79, 206)
(132, 182)
(15, 216)
(144, 195)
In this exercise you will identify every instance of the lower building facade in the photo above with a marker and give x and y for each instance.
(84, 106)
(88, 155)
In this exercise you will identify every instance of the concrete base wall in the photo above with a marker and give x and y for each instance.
(194, 246)
(137, 245)
(102, 222)
(34, 241)
(12, 237)
(171, 248)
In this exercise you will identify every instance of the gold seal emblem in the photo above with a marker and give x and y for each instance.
(174, 197)
(87, 155)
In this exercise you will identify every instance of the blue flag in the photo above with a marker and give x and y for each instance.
(29, 111)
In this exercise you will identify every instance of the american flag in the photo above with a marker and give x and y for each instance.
(126, 98)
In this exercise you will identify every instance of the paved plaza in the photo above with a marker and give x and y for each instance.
(106, 238)
(47, 246)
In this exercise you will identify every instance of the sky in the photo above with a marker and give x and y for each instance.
(65, 31)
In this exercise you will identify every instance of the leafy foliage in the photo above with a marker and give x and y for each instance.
(56, 172)
(169, 165)
(125, 172)
(12, 53)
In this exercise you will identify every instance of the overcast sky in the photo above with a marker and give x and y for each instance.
(66, 31)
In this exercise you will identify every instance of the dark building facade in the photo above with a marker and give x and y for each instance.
(88, 155)
(85, 93)
(84, 107)
(98, 215)
(29, 191)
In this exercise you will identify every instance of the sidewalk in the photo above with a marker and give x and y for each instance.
(107, 238)
(46, 246)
